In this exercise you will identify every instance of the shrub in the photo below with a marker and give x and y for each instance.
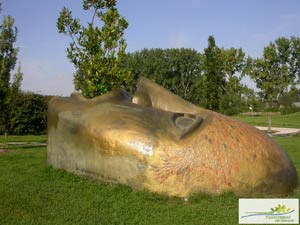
(29, 114)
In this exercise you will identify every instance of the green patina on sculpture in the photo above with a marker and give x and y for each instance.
(160, 142)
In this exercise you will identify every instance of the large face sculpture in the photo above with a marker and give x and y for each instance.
(159, 142)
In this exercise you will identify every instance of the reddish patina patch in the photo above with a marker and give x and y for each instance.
(226, 155)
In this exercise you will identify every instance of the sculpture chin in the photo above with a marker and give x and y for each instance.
(159, 142)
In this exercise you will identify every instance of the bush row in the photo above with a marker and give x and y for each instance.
(28, 114)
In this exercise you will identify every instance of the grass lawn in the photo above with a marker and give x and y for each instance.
(25, 138)
(289, 120)
(33, 193)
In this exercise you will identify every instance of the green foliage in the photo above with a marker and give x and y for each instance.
(96, 52)
(214, 75)
(29, 114)
(278, 69)
(252, 101)
(17, 80)
(175, 69)
(295, 57)
(185, 72)
(234, 63)
(287, 100)
(8, 58)
(8, 53)
(211, 80)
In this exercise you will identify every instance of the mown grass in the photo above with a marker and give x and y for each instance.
(33, 193)
(292, 146)
(24, 138)
(290, 120)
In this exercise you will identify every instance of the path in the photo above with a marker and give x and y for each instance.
(276, 131)
(34, 144)
(280, 131)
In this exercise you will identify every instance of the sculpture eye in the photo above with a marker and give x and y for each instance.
(186, 123)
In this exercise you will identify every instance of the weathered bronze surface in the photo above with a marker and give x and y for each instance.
(159, 142)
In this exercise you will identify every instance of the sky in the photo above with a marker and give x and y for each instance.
(247, 24)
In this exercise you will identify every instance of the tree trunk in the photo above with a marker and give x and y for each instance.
(269, 123)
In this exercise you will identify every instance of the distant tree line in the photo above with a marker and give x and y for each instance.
(212, 79)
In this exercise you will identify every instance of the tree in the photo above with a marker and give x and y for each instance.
(277, 70)
(183, 69)
(234, 64)
(214, 75)
(174, 69)
(295, 58)
(96, 52)
(186, 73)
(286, 76)
(8, 58)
